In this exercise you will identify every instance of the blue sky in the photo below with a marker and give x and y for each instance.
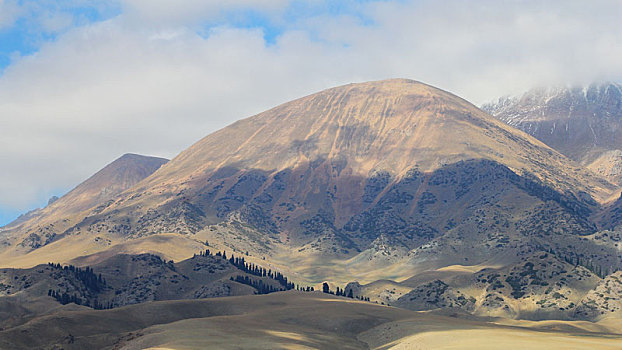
(30, 26)
(84, 81)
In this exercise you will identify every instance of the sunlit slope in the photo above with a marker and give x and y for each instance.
(42, 226)
(389, 125)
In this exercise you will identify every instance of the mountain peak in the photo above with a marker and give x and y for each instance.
(582, 122)
(139, 159)
(114, 178)
(388, 124)
(532, 102)
(119, 175)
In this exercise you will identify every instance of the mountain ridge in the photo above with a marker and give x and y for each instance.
(431, 100)
(322, 135)
(581, 122)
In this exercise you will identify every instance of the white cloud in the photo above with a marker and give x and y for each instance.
(185, 12)
(9, 12)
(127, 85)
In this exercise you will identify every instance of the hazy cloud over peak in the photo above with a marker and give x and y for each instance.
(154, 76)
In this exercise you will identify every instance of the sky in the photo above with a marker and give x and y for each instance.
(84, 81)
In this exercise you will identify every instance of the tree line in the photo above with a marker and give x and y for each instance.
(87, 276)
(265, 288)
(577, 260)
(66, 298)
(342, 292)
(92, 282)
(259, 271)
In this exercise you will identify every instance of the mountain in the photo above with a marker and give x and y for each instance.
(420, 197)
(40, 226)
(113, 179)
(329, 179)
(583, 123)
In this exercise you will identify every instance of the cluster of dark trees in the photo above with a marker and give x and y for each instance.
(342, 292)
(66, 298)
(93, 283)
(264, 288)
(577, 260)
(597, 269)
(258, 271)
(258, 284)
(87, 276)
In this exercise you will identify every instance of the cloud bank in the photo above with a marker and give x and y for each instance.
(159, 75)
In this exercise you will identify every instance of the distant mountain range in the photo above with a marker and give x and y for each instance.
(412, 195)
(583, 123)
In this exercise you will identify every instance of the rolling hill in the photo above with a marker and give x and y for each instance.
(292, 320)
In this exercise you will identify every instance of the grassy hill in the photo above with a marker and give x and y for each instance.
(290, 320)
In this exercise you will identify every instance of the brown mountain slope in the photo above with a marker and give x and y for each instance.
(44, 224)
(315, 185)
(357, 130)
(113, 179)
(387, 125)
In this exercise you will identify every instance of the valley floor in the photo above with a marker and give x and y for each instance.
(292, 320)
